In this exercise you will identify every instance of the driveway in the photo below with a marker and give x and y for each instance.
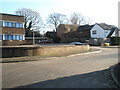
(81, 71)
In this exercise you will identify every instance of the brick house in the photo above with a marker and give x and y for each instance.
(63, 29)
(12, 30)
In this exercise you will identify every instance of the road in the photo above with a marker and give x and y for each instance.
(81, 71)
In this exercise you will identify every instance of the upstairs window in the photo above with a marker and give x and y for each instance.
(6, 24)
(17, 25)
(94, 32)
(12, 24)
(21, 25)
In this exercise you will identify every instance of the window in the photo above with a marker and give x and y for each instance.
(10, 24)
(21, 37)
(17, 37)
(106, 31)
(1, 23)
(12, 37)
(1, 36)
(8, 37)
(6, 24)
(5, 37)
(17, 25)
(21, 25)
(14, 25)
(94, 32)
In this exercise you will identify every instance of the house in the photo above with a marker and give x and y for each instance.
(12, 30)
(62, 29)
(98, 33)
(103, 30)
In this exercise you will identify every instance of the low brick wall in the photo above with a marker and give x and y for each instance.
(42, 50)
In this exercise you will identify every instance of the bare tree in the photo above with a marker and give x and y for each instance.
(88, 21)
(55, 19)
(74, 18)
(77, 19)
(32, 19)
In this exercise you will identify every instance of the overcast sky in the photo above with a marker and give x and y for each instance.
(100, 11)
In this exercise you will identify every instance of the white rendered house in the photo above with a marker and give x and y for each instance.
(103, 31)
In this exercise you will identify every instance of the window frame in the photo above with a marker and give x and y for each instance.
(1, 23)
(12, 24)
(94, 32)
(1, 36)
(12, 37)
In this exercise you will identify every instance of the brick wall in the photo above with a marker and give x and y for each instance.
(42, 50)
(7, 30)
(12, 42)
(9, 17)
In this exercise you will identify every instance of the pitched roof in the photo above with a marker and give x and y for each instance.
(85, 27)
(105, 26)
(112, 31)
(11, 14)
